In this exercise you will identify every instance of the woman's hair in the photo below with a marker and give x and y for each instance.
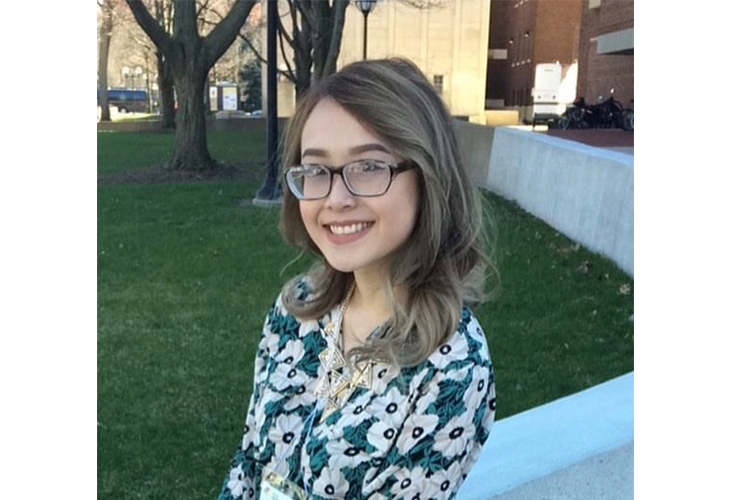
(444, 263)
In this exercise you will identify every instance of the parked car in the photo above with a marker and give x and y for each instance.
(126, 100)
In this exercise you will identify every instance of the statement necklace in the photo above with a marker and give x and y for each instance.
(337, 382)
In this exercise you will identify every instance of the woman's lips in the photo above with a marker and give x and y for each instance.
(342, 233)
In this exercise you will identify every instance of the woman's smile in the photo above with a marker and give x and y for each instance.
(341, 233)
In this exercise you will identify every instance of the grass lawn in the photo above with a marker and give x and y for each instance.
(187, 271)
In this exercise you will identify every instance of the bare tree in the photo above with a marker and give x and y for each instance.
(105, 36)
(190, 57)
(165, 82)
(313, 34)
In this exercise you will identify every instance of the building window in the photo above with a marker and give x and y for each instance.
(438, 82)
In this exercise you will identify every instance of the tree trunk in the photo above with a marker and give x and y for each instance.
(302, 57)
(163, 15)
(190, 57)
(106, 37)
(191, 142)
(167, 92)
(330, 21)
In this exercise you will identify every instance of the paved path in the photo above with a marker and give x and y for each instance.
(613, 139)
(597, 137)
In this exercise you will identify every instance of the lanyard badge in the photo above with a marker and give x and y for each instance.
(276, 487)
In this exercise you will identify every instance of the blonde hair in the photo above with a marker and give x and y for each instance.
(445, 261)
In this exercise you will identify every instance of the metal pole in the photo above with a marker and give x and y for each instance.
(270, 192)
(365, 37)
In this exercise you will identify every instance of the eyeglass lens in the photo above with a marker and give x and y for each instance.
(363, 178)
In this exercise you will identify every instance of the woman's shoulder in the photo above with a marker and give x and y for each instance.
(298, 289)
(467, 346)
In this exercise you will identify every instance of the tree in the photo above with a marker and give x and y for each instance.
(190, 57)
(250, 75)
(313, 34)
(105, 36)
(315, 39)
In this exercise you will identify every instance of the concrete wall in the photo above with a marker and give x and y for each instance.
(586, 193)
(576, 447)
(476, 142)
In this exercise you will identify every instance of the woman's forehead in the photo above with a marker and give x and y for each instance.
(330, 128)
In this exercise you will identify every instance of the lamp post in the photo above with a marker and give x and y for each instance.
(270, 193)
(365, 6)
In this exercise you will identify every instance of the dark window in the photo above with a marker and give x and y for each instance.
(438, 82)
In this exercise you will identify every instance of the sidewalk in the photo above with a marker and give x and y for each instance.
(577, 447)
(613, 139)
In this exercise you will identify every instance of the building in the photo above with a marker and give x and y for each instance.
(448, 40)
(606, 59)
(533, 56)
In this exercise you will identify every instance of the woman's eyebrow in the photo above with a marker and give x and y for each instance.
(363, 148)
(368, 147)
(314, 152)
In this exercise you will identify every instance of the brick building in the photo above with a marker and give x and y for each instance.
(606, 53)
(522, 35)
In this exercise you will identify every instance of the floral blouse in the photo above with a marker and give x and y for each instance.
(413, 435)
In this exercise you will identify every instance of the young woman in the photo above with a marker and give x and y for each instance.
(372, 378)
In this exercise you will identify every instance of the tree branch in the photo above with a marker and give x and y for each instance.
(203, 7)
(148, 24)
(333, 51)
(289, 73)
(423, 4)
(253, 49)
(222, 36)
(282, 32)
(305, 7)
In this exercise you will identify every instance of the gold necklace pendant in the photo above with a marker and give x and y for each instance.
(337, 383)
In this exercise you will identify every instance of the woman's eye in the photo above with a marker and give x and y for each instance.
(370, 166)
(314, 171)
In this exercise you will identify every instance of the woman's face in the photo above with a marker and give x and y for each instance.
(354, 233)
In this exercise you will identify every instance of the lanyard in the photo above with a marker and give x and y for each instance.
(307, 428)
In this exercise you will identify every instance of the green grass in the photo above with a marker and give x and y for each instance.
(563, 320)
(117, 151)
(186, 273)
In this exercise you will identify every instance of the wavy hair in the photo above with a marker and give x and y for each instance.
(446, 260)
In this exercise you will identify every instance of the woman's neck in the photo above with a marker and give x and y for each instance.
(367, 309)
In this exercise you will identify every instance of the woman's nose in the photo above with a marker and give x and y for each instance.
(339, 197)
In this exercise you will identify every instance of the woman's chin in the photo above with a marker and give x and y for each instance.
(343, 267)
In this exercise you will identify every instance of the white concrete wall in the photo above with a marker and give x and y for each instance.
(561, 449)
(476, 142)
(586, 193)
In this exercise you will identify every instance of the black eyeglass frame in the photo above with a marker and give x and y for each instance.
(395, 169)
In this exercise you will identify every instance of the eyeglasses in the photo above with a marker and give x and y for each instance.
(365, 178)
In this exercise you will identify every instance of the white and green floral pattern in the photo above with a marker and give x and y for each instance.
(414, 435)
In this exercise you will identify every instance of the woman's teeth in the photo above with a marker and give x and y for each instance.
(352, 228)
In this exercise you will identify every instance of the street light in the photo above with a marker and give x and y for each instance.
(365, 6)
(270, 193)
